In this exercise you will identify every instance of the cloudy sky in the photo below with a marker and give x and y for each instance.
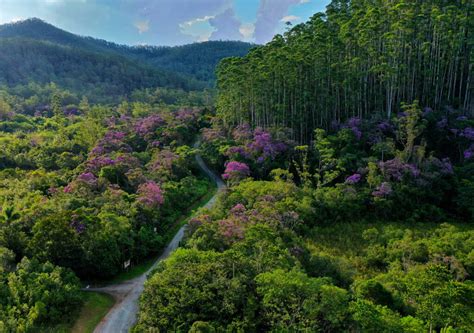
(166, 22)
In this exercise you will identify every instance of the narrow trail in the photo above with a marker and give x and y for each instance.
(123, 314)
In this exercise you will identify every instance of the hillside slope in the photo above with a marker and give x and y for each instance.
(190, 63)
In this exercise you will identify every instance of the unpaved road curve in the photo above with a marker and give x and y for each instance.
(123, 314)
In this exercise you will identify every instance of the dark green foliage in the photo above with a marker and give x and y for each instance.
(80, 70)
(198, 60)
(374, 291)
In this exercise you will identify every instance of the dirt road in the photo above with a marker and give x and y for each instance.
(123, 314)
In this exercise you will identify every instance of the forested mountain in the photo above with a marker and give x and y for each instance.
(103, 77)
(189, 67)
(357, 59)
(37, 29)
(198, 59)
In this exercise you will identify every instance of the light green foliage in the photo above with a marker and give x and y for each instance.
(7, 260)
(194, 286)
(410, 128)
(439, 300)
(38, 294)
(5, 109)
(374, 318)
(328, 167)
(294, 301)
(417, 270)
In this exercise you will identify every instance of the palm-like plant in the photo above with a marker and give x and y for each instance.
(9, 214)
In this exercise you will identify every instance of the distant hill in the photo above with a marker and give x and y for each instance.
(93, 74)
(33, 50)
(198, 59)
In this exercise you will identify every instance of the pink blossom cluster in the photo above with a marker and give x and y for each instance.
(231, 230)
(87, 178)
(354, 125)
(395, 169)
(383, 190)
(264, 146)
(146, 127)
(257, 145)
(187, 115)
(113, 141)
(236, 170)
(150, 195)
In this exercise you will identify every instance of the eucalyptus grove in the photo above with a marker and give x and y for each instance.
(361, 57)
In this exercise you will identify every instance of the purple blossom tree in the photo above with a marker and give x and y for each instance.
(88, 178)
(187, 115)
(78, 226)
(68, 188)
(113, 141)
(95, 164)
(354, 179)
(442, 123)
(395, 169)
(163, 162)
(231, 230)
(238, 210)
(383, 190)
(236, 171)
(468, 133)
(469, 153)
(264, 146)
(354, 125)
(146, 127)
(385, 126)
(242, 133)
(237, 151)
(443, 166)
(150, 195)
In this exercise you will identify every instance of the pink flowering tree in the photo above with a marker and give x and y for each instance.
(236, 171)
(257, 148)
(146, 127)
(150, 195)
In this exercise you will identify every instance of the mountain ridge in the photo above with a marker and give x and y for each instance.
(175, 58)
(36, 51)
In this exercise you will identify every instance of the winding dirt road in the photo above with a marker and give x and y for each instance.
(123, 314)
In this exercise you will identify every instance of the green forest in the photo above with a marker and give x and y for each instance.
(358, 59)
(346, 145)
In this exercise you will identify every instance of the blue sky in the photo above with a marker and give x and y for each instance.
(166, 22)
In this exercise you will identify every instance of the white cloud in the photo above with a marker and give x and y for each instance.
(247, 30)
(204, 37)
(192, 22)
(226, 26)
(198, 27)
(16, 19)
(142, 26)
(269, 14)
(290, 18)
(305, 1)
